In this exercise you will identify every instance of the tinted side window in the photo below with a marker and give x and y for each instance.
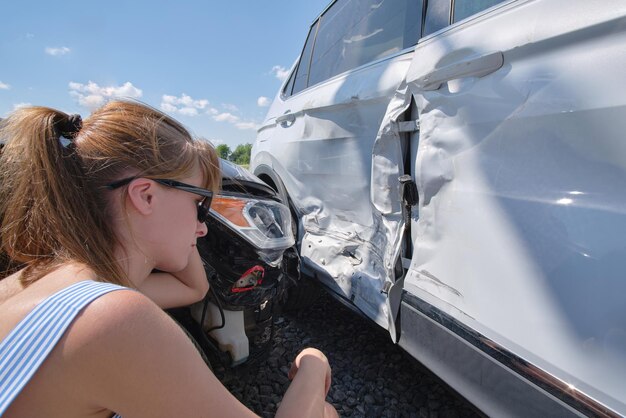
(302, 73)
(465, 8)
(289, 86)
(355, 32)
(437, 16)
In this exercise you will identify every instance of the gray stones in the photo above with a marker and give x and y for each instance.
(371, 376)
(339, 396)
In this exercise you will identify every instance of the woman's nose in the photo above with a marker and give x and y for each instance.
(202, 229)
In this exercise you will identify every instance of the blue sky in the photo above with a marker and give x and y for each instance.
(213, 65)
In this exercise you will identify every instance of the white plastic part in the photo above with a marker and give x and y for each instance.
(232, 337)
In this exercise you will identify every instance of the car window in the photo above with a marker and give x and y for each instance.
(302, 72)
(437, 16)
(465, 8)
(355, 32)
(289, 85)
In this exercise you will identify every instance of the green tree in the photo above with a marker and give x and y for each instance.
(241, 154)
(223, 151)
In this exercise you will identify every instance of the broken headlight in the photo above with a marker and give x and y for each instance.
(264, 223)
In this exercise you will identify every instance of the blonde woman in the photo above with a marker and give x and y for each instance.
(91, 209)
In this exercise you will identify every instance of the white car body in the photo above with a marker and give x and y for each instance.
(514, 274)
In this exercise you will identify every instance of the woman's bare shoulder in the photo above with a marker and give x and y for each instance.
(118, 304)
(123, 317)
(124, 344)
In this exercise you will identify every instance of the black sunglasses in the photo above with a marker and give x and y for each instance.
(203, 206)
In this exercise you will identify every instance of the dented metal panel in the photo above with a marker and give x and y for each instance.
(516, 146)
(521, 171)
(329, 174)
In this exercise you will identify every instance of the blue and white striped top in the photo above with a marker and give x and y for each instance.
(29, 343)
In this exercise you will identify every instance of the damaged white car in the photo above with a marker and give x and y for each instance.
(457, 171)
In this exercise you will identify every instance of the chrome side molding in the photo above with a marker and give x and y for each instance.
(559, 389)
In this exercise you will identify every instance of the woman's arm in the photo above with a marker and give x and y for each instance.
(126, 355)
(132, 359)
(307, 392)
(171, 290)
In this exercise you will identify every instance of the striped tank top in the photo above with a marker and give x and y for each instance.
(29, 343)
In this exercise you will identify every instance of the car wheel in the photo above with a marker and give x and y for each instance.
(305, 292)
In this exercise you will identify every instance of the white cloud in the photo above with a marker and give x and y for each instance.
(166, 107)
(4, 86)
(91, 95)
(184, 105)
(58, 51)
(232, 119)
(188, 111)
(212, 111)
(20, 105)
(216, 142)
(246, 125)
(281, 73)
(92, 101)
(226, 117)
(230, 107)
(263, 101)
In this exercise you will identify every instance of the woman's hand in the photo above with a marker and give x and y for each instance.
(312, 357)
(306, 397)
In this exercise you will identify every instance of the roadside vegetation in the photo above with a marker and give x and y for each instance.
(240, 156)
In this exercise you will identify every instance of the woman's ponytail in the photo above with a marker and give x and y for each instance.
(49, 213)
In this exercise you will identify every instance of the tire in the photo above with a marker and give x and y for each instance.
(276, 183)
(306, 292)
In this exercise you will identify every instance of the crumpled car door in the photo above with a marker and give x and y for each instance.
(521, 170)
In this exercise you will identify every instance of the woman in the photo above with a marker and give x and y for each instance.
(91, 210)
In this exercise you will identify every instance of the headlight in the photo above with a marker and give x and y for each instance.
(266, 224)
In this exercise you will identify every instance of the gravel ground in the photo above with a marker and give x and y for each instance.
(372, 377)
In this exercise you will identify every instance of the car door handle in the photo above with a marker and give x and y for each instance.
(472, 67)
(286, 120)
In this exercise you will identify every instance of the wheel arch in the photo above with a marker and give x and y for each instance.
(272, 179)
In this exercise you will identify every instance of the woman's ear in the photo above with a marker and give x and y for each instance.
(141, 195)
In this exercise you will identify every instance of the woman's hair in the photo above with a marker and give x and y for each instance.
(53, 177)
